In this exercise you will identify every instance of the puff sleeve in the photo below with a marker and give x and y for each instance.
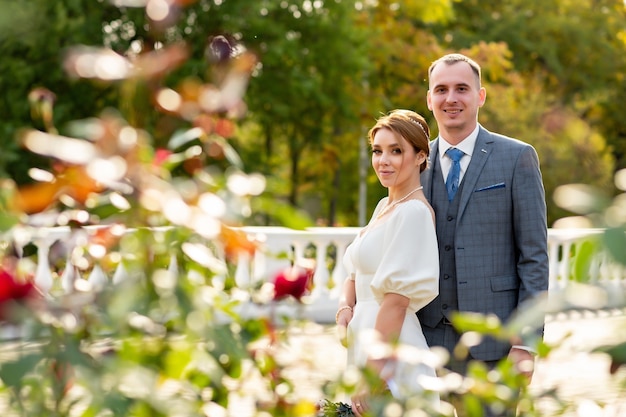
(348, 266)
(410, 260)
(347, 259)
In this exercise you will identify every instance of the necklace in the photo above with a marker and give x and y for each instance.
(395, 203)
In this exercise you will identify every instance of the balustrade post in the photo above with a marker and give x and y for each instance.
(43, 275)
(242, 272)
(320, 277)
(259, 266)
(120, 274)
(172, 268)
(298, 251)
(565, 264)
(339, 272)
(554, 265)
(70, 274)
(98, 278)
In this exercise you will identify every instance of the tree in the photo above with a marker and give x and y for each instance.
(33, 38)
(574, 49)
(542, 87)
(326, 71)
(569, 148)
(303, 93)
(298, 96)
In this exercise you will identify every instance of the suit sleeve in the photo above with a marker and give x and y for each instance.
(530, 225)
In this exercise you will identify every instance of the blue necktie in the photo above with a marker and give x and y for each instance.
(452, 182)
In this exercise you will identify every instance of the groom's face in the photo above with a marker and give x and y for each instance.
(454, 97)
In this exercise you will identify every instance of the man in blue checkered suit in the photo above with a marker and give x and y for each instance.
(491, 224)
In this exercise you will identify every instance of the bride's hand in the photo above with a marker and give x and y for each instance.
(342, 334)
(343, 317)
(360, 404)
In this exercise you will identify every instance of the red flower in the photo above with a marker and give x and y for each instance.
(225, 128)
(160, 156)
(293, 281)
(13, 290)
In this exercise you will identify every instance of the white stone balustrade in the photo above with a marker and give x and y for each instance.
(279, 247)
(563, 245)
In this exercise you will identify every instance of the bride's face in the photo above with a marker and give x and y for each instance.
(394, 159)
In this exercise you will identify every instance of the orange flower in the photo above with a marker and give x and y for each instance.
(76, 183)
(35, 198)
(71, 180)
(108, 236)
(235, 242)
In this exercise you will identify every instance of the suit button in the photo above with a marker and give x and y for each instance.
(446, 276)
(450, 218)
(447, 247)
(445, 306)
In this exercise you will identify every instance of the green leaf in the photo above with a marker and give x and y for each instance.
(476, 322)
(473, 408)
(585, 252)
(283, 213)
(332, 409)
(176, 361)
(616, 352)
(615, 242)
(7, 221)
(12, 373)
(105, 211)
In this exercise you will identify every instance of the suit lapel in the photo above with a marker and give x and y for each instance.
(427, 175)
(482, 150)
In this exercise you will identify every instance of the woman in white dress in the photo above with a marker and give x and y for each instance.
(393, 264)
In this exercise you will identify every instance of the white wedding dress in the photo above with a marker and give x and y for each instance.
(398, 254)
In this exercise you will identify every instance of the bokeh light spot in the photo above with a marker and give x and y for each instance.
(157, 10)
(620, 179)
(169, 100)
(107, 170)
(212, 205)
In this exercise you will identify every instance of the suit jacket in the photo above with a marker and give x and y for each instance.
(500, 241)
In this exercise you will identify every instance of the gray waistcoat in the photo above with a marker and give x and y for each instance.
(446, 302)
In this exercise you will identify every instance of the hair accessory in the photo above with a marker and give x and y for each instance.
(421, 127)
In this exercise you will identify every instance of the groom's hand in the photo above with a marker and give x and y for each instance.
(523, 360)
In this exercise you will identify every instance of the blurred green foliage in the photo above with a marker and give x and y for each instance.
(167, 339)
(328, 69)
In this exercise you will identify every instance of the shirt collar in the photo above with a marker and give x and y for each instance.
(466, 145)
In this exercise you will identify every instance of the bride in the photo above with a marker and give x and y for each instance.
(393, 264)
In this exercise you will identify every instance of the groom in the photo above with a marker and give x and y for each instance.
(488, 196)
